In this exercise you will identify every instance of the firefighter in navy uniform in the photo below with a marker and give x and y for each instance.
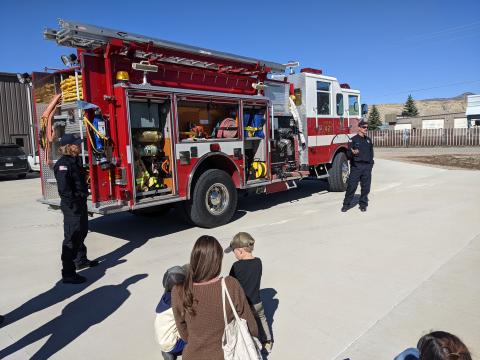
(73, 191)
(360, 153)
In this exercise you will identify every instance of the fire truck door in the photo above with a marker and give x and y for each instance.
(150, 122)
(255, 118)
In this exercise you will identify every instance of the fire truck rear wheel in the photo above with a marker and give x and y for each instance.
(214, 199)
(339, 173)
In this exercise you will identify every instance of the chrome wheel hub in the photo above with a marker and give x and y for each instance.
(217, 199)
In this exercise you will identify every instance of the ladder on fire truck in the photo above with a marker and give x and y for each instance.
(90, 37)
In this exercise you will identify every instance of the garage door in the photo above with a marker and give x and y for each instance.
(403, 126)
(460, 123)
(433, 124)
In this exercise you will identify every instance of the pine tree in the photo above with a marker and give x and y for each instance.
(374, 121)
(410, 109)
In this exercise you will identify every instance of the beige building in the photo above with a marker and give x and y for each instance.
(449, 113)
(440, 121)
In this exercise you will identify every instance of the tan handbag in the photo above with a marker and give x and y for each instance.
(166, 333)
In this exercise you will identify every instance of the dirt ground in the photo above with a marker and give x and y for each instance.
(451, 158)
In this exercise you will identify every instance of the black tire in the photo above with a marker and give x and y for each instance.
(337, 180)
(22, 176)
(212, 186)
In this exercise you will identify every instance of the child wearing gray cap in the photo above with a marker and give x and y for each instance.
(166, 332)
(248, 271)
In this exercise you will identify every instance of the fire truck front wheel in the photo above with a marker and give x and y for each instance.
(214, 199)
(339, 173)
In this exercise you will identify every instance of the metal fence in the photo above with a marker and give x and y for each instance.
(426, 137)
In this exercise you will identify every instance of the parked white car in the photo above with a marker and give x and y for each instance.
(34, 163)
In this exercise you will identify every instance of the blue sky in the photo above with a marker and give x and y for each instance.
(386, 49)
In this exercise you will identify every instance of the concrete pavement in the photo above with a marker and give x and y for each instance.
(358, 285)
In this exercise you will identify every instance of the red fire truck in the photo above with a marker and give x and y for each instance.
(168, 123)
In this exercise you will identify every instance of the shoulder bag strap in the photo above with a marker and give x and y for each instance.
(224, 288)
(225, 291)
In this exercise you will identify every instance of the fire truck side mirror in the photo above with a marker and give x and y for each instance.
(364, 109)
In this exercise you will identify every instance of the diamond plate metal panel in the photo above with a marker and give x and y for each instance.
(67, 119)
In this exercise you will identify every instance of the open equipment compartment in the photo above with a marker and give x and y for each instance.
(150, 123)
(207, 118)
(255, 145)
(283, 143)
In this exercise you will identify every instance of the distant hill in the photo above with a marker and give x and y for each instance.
(437, 106)
(458, 97)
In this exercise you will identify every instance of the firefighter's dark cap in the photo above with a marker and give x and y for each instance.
(67, 139)
(362, 123)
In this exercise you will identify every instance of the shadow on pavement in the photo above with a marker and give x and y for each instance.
(136, 230)
(76, 318)
(270, 305)
(306, 188)
(138, 227)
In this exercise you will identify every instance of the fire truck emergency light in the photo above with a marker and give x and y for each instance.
(24, 78)
(260, 86)
(290, 65)
(145, 67)
(69, 60)
(122, 76)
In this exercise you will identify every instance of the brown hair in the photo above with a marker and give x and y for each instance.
(67, 150)
(205, 264)
(441, 345)
(248, 249)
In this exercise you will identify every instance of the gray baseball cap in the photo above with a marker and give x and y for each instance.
(174, 276)
(241, 240)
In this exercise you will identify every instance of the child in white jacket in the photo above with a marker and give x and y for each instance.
(166, 332)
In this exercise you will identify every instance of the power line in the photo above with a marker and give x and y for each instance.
(447, 34)
(446, 31)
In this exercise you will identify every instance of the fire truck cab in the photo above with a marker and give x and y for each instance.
(168, 123)
(331, 112)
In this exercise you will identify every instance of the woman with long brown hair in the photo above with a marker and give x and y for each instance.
(197, 304)
(441, 345)
(437, 345)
